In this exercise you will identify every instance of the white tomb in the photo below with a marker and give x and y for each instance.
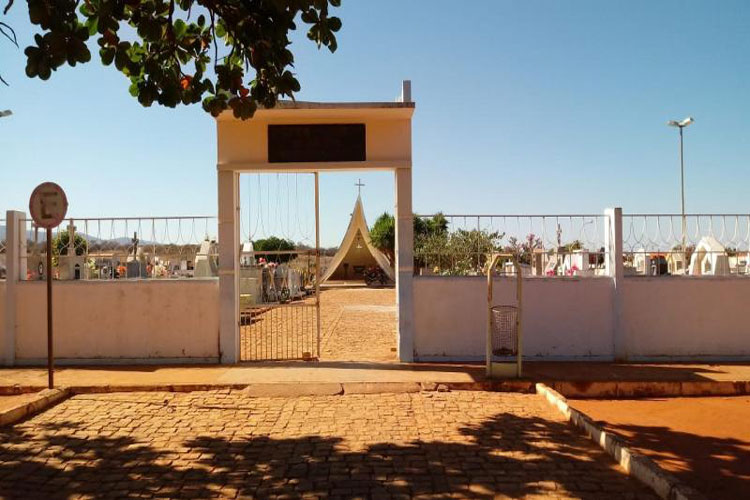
(247, 257)
(206, 260)
(642, 262)
(709, 258)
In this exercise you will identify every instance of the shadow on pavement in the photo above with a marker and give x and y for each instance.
(719, 468)
(504, 455)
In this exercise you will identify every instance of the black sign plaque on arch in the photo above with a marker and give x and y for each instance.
(317, 143)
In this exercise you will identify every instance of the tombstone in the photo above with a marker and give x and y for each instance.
(135, 265)
(676, 262)
(642, 262)
(206, 260)
(539, 260)
(247, 257)
(250, 286)
(72, 267)
(709, 258)
(509, 269)
(550, 268)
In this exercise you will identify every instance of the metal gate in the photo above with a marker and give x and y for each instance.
(280, 300)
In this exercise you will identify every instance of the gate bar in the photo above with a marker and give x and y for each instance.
(317, 259)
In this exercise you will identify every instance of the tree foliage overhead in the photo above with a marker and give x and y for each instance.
(224, 53)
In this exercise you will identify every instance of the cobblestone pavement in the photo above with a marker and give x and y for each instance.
(357, 324)
(227, 445)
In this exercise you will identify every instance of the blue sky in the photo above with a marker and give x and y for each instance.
(522, 107)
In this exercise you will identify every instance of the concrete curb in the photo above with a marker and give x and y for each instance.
(571, 389)
(626, 389)
(290, 389)
(642, 468)
(43, 400)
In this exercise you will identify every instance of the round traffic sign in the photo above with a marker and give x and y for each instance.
(48, 205)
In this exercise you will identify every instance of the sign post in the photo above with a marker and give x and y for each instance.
(48, 206)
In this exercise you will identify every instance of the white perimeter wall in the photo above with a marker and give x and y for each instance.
(120, 320)
(2, 321)
(699, 317)
(563, 318)
(662, 318)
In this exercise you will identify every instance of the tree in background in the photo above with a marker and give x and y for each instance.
(228, 54)
(460, 253)
(61, 245)
(383, 236)
(524, 250)
(571, 247)
(383, 232)
(266, 247)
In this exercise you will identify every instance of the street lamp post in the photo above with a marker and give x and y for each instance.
(681, 125)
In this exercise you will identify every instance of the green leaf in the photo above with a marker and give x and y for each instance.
(334, 23)
(93, 25)
(249, 35)
(180, 28)
(31, 68)
(107, 55)
(221, 30)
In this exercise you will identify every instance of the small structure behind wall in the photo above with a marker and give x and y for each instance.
(709, 258)
(356, 252)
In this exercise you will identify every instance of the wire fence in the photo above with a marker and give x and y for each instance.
(126, 248)
(690, 245)
(546, 245)
(444, 244)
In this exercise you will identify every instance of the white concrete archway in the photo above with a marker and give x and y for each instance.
(315, 137)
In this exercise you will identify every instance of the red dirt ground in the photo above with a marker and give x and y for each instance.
(703, 441)
(7, 402)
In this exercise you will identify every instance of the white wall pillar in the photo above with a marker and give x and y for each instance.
(615, 269)
(405, 264)
(15, 265)
(229, 258)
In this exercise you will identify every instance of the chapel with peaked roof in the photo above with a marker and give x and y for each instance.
(356, 252)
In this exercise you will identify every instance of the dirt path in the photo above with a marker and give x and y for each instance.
(703, 441)
(357, 324)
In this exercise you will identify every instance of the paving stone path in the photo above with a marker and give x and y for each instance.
(226, 445)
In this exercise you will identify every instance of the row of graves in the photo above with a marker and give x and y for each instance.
(708, 258)
(108, 260)
(268, 277)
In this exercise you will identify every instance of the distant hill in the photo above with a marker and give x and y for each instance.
(91, 239)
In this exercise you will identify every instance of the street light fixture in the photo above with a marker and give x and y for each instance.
(681, 125)
(5, 113)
